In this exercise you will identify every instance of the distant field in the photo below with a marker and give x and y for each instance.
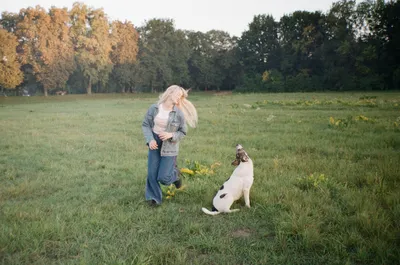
(326, 189)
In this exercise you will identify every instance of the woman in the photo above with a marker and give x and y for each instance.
(163, 127)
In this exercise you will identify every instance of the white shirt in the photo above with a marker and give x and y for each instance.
(161, 120)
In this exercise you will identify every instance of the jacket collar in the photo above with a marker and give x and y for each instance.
(175, 108)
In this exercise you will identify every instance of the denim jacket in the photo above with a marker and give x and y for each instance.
(176, 124)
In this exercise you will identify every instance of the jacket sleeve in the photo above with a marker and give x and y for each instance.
(146, 126)
(182, 130)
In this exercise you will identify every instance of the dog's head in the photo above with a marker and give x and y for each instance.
(241, 155)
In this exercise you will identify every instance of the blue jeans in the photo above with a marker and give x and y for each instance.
(160, 169)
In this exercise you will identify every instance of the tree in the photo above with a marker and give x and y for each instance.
(212, 59)
(45, 45)
(388, 32)
(259, 45)
(179, 57)
(339, 49)
(124, 52)
(163, 55)
(259, 50)
(10, 73)
(60, 53)
(92, 44)
(33, 35)
(9, 21)
(200, 62)
(301, 36)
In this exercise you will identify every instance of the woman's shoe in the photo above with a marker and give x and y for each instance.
(152, 203)
(178, 183)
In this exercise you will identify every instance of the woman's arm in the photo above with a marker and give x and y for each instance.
(147, 126)
(181, 132)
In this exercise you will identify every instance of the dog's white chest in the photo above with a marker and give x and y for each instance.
(240, 180)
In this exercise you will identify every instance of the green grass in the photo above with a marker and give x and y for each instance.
(73, 170)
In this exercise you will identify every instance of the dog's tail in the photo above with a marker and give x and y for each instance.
(213, 212)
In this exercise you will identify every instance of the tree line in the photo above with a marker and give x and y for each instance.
(350, 47)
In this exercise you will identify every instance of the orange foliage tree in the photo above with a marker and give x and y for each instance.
(10, 73)
(92, 43)
(46, 45)
(124, 39)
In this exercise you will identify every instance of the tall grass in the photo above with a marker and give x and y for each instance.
(73, 170)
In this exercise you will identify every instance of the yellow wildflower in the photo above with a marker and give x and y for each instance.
(216, 164)
(361, 117)
(186, 170)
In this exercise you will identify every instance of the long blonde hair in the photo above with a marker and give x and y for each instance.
(188, 109)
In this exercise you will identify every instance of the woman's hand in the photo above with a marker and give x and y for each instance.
(165, 135)
(153, 145)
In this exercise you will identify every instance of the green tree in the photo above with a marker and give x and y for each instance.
(213, 59)
(200, 61)
(9, 21)
(10, 73)
(259, 50)
(259, 45)
(179, 57)
(340, 47)
(388, 32)
(301, 36)
(163, 55)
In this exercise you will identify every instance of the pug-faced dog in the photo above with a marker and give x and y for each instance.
(238, 184)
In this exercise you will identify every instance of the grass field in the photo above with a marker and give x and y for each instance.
(326, 188)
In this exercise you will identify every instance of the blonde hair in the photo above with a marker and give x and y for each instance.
(188, 109)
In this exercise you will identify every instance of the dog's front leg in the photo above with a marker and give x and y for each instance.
(246, 195)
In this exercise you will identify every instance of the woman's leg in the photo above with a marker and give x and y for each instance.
(153, 189)
(167, 172)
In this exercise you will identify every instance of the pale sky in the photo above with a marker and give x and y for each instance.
(232, 16)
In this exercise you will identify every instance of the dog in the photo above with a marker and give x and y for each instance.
(238, 184)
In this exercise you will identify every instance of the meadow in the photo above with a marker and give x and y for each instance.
(326, 189)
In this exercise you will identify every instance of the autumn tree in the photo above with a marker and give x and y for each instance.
(124, 39)
(92, 44)
(60, 51)
(45, 45)
(10, 73)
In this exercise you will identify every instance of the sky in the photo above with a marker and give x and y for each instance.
(232, 16)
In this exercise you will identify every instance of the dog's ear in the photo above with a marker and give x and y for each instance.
(236, 162)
